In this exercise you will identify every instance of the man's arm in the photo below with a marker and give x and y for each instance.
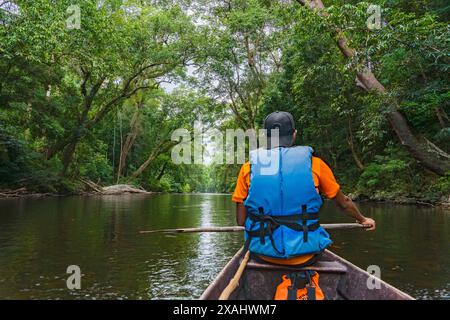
(342, 201)
(349, 207)
(241, 192)
(241, 214)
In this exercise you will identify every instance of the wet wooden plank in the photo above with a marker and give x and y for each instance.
(319, 266)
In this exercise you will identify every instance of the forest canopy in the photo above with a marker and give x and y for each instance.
(97, 102)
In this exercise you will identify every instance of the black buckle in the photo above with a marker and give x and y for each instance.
(261, 227)
(304, 223)
(292, 293)
(299, 280)
(262, 233)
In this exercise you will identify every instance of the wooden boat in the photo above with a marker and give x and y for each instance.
(339, 280)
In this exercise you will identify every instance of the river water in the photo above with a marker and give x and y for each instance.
(40, 238)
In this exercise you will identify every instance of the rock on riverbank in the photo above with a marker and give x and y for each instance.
(122, 189)
(92, 190)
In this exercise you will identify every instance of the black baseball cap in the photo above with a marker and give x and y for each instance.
(284, 122)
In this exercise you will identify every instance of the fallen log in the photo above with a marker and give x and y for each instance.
(92, 185)
(13, 193)
(122, 189)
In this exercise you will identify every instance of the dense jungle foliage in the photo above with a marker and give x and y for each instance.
(98, 103)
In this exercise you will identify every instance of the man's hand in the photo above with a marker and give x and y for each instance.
(347, 205)
(369, 223)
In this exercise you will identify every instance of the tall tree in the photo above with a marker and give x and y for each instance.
(421, 151)
(243, 48)
(118, 51)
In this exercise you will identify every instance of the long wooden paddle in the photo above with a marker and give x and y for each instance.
(234, 282)
(331, 226)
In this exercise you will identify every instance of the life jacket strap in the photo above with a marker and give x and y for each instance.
(286, 220)
(268, 224)
(292, 293)
(301, 280)
(304, 223)
(311, 292)
(269, 229)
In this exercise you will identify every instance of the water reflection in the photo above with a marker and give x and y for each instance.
(40, 238)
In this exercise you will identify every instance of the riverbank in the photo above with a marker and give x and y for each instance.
(94, 190)
(444, 202)
(402, 199)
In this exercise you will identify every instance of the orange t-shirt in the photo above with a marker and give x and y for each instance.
(324, 181)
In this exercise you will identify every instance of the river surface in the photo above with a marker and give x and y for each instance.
(40, 238)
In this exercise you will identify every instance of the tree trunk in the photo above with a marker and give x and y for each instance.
(54, 149)
(444, 121)
(417, 149)
(129, 141)
(351, 144)
(160, 148)
(87, 123)
(147, 162)
(68, 153)
(161, 173)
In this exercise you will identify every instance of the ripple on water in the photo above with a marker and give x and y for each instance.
(101, 235)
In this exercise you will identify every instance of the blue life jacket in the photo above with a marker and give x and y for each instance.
(283, 204)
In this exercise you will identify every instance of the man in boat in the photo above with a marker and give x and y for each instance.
(280, 209)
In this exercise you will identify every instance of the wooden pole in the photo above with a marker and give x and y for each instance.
(234, 283)
(191, 230)
(331, 226)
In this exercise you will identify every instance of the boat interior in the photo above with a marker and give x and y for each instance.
(338, 279)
